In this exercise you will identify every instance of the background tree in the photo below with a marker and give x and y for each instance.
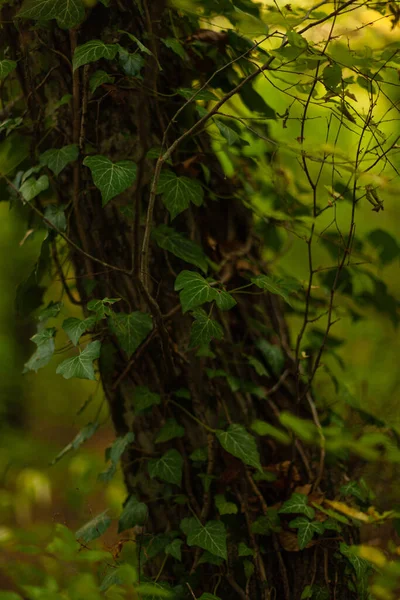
(133, 151)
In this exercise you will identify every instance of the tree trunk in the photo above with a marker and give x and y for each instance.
(125, 122)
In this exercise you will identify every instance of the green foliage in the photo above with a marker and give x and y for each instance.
(179, 192)
(81, 366)
(265, 162)
(111, 178)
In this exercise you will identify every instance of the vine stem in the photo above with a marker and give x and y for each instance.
(189, 414)
(144, 268)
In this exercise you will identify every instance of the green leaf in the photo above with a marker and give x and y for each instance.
(44, 351)
(257, 366)
(114, 453)
(195, 290)
(131, 330)
(227, 132)
(4, 595)
(244, 550)
(306, 530)
(179, 245)
(93, 51)
(167, 468)
(204, 329)
(68, 13)
(224, 507)
(50, 312)
(74, 327)
(207, 596)
(204, 95)
(98, 78)
(131, 63)
(302, 428)
(224, 300)
(143, 398)
(179, 192)
(267, 524)
(110, 178)
(273, 355)
(332, 76)
(134, 513)
(264, 428)
(386, 244)
(175, 45)
(273, 286)
(238, 442)
(84, 434)
(210, 537)
(32, 187)
(94, 528)
(199, 455)
(102, 307)
(6, 67)
(210, 559)
(55, 215)
(57, 160)
(352, 488)
(141, 46)
(298, 503)
(170, 430)
(81, 366)
(174, 549)
(295, 39)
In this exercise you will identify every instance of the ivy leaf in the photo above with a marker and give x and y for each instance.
(114, 453)
(44, 351)
(32, 187)
(92, 51)
(267, 524)
(298, 503)
(273, 286)
(204, 329)
(110, 178)
(179, 192)
(205, 95)
(140, 45)
(264, 428)
(131, 330)
(94, 528)
(6, 67)
(207, 596)
(273, 355)
(174, 549)
(131, 63)
(167, 468)
(224, 300)
(210, 537)
(386, 244)
(67, 12)
(102, 307)
(98, 78)
(227, 132)
(170, 431)
(332, 77)
(55, 215)
(175, 45)
(81, 366)
(306, 530)
(179, 245)
(244, 550)
(50, 312)
(57, 160)
(134, 513)
(74, 327)
(224, 507)
(84, 434)
(144, 398)
(238, 442)
(195, 290)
